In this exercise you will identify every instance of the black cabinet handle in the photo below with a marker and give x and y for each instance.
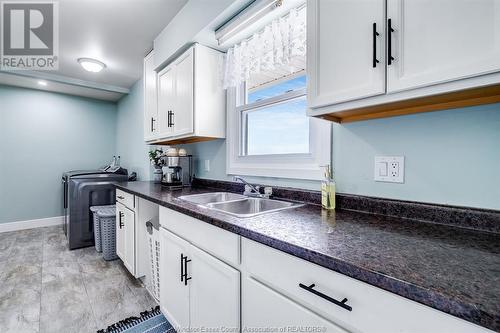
(374, 35)
(182, 267)
(120, 197)
(328, 298)
(120, 222)
(170, 119)
(153, 124)
(390, 30)
(184, 270)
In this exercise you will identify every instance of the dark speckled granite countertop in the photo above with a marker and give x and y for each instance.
(454, 270)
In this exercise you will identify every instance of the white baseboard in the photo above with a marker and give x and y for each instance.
(30, 224)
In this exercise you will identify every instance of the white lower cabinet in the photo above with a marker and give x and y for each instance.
(120, 231)
(125, 236)
(132, 214)
(197, 289)
(266, 309)
(290, 281)
(174, 292)
(214, 280)
(215, 292)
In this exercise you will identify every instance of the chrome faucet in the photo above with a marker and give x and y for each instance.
(254, 190)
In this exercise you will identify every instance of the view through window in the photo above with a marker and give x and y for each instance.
(274, 119)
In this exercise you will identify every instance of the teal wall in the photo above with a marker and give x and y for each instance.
(43, 134)
(451, 157)
(130, 133)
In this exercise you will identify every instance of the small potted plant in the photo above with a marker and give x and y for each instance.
(155, 156)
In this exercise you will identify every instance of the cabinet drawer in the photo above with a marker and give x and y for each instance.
(263, 307)
(373, 310)
(125, 198)
(216, 241)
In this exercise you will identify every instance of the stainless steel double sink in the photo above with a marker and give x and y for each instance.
(238, 205)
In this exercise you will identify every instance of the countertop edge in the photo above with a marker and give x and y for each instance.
(433, 299)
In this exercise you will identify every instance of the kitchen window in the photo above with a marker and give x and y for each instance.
(268, 131)
(273, 119)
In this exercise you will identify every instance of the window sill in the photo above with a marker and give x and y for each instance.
(277, 171)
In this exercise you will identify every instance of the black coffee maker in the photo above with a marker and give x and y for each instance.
(177, 171)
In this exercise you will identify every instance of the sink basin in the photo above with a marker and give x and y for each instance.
(238, 205)
(206, 198)
(249, 207)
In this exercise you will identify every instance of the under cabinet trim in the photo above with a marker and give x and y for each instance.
(445, 101)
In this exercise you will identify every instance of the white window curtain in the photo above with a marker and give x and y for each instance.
(275, 46)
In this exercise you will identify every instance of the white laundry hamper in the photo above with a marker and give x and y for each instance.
(110, 212)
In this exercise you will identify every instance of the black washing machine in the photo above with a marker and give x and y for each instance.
(81, 190)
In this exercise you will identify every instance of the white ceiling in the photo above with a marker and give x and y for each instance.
(117, 32)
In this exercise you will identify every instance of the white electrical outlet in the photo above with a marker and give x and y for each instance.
(207, 165)
(389, 169)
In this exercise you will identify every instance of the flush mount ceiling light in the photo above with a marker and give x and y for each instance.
(42, 83)
(91, 65)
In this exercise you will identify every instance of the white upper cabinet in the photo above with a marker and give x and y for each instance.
(191, 101)
(166, 99)
(346, 50)
(182, 113)
(447, 49)
(439, 41)
(150, 98)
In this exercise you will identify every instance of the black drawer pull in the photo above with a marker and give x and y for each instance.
(328, 298)
(120, 197)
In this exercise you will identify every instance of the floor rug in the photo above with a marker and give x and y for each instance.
(151, 321)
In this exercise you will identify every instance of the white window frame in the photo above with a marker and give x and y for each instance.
(294, 166)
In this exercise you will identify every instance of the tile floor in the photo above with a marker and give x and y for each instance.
(44, 287)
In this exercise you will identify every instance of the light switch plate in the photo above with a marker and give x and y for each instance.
(389, 169)
(207, 165)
